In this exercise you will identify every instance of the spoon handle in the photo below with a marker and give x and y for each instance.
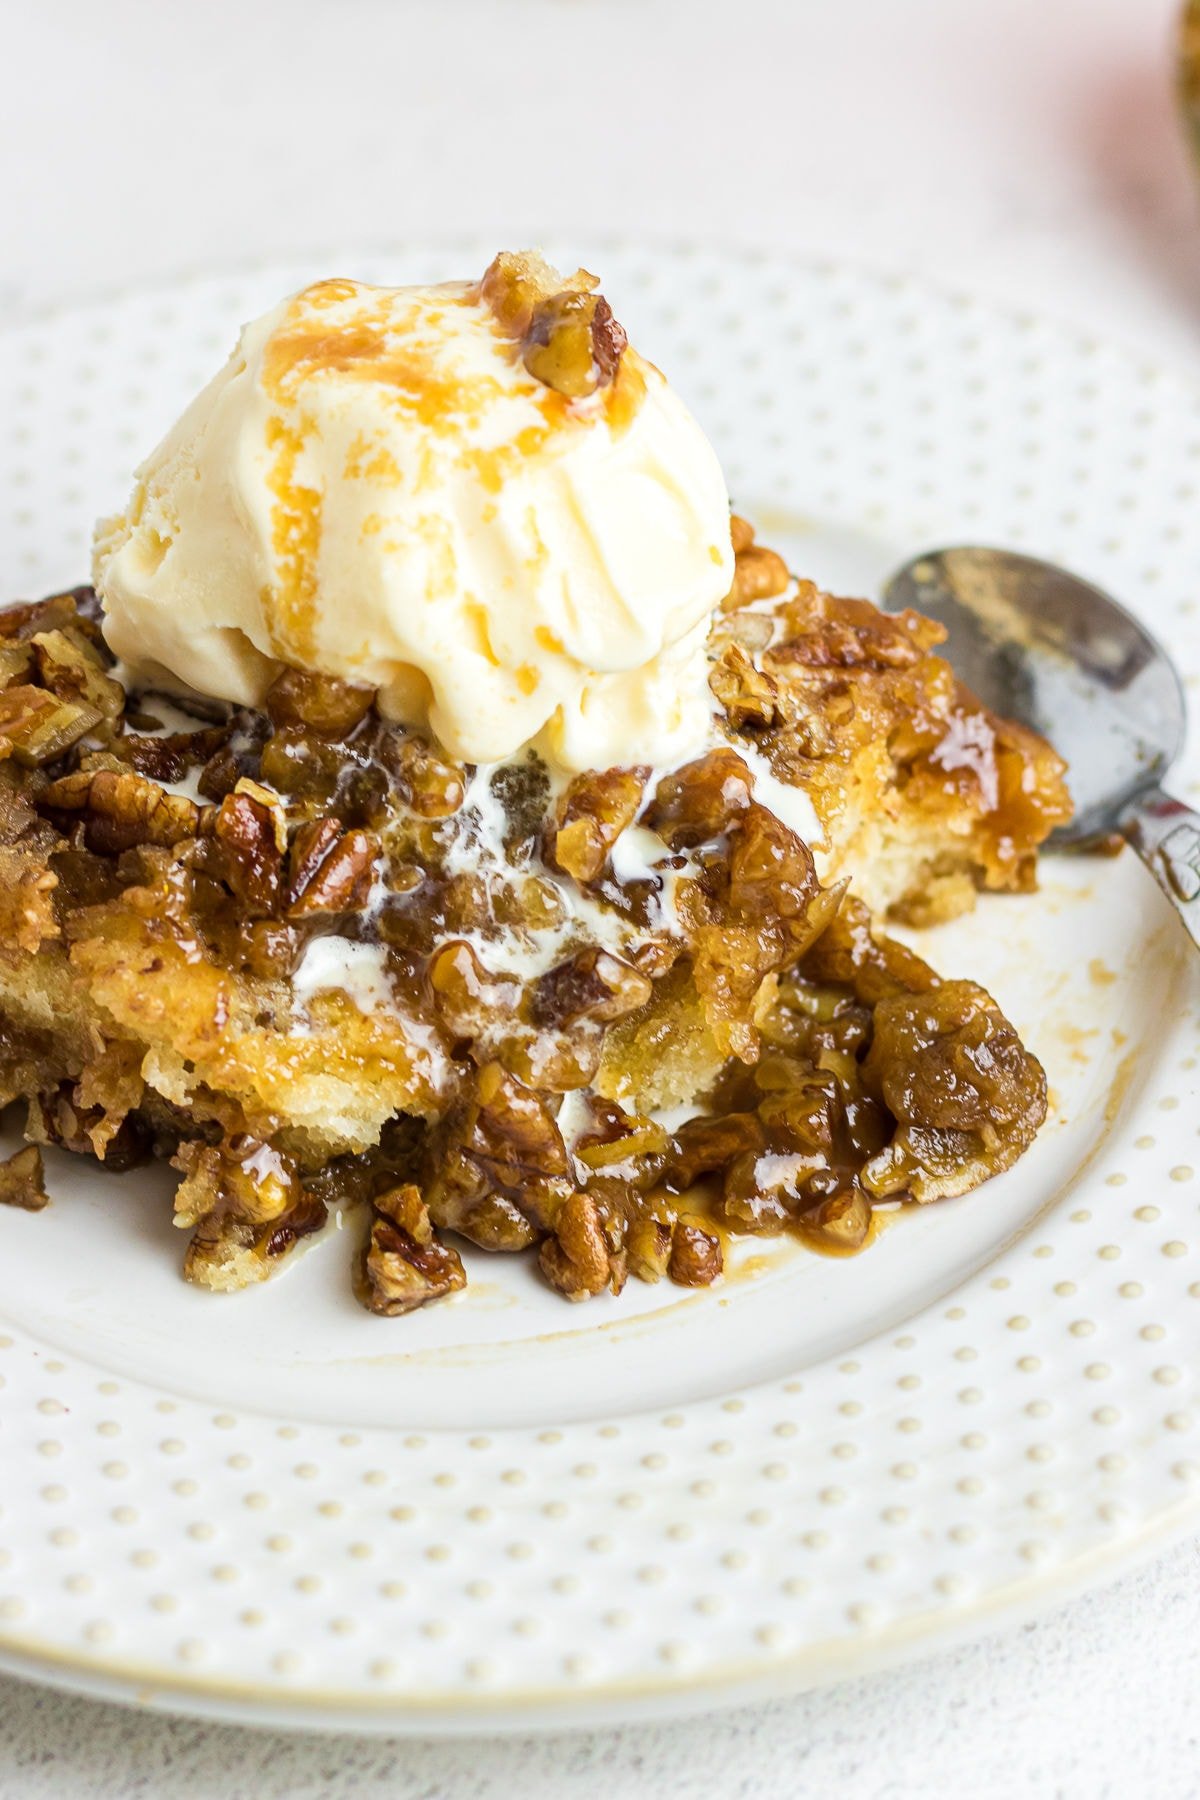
(1166, 835)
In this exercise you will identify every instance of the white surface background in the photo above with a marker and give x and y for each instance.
(1026, 149)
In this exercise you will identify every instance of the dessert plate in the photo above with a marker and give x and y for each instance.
(504, 1512)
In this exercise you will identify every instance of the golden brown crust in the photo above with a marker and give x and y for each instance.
(903, 765)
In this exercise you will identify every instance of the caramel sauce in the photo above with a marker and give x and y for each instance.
(295, 539)
(366, 350)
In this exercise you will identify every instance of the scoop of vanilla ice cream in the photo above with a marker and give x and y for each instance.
(376, 487)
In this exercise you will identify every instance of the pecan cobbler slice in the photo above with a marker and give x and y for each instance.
(480, 829)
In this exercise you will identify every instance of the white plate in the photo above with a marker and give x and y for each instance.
(509, 1512)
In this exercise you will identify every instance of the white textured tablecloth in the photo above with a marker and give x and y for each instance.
(1027, 149)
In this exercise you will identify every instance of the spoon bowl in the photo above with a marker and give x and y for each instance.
(1045, 647)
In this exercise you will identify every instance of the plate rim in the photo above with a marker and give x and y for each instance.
(812, 1664)
(316, 1712)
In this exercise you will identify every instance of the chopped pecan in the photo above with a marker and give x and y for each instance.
(592, 814)
(303, 1217)
(403, 1265)
(37, 726)
(621, 1139)
(754, 631)
(170, 758)
(828, 633)
(569, 339)
(77, 608)
(758, 574)
(433, 786)
(469, 997)
(741, 532)
(696, 1257)
(575, 1260)
(842, 1222)
(320, 702)
(122, 809)
(247, 829)
(648, 1248)
(702, 1145)
(701, 800)
(23, 1181)
(759, 1190)
(246, 1208)
(311, 844)
(750, 698)
(574, 344)
(71, 667)
(238, 759)
(498, 1167)
(331, 872)
(303, 764)
(243, 1176)
(16, 662)
(513, 284)
(592, 984)
(268, 947)
(60, 1117)
(771, 871)
(950, 1059)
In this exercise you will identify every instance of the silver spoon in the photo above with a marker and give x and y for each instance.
(1042, 646)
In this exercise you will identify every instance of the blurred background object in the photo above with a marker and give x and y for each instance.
(1189, 69)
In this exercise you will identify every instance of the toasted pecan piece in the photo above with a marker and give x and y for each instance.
(470, 997)
(431, 784)
(70, 665)
(750, 698)
(696, 1257)
(323, 703)
(247, 828)
(758, 574)
(596, 808)
(701, 800)
(568, 337)
(403, 1265)
(37, 726)
(593, 984)
(575, 1260)
(122, 810)
(498, 1168)
(331, 870)
(23, 1181)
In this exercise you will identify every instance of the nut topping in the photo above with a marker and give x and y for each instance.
(320, 702)
(750, 698)
(592, 984)
(576, 1259)
(696, 1257)
(331, 872)
(246, 830)
(122, 810)
(23, 1181)
(568, 336)
(592, 814)
(700, 801)
(37, 727)
(758, 574)
(403, 1265)
(518, 1109)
